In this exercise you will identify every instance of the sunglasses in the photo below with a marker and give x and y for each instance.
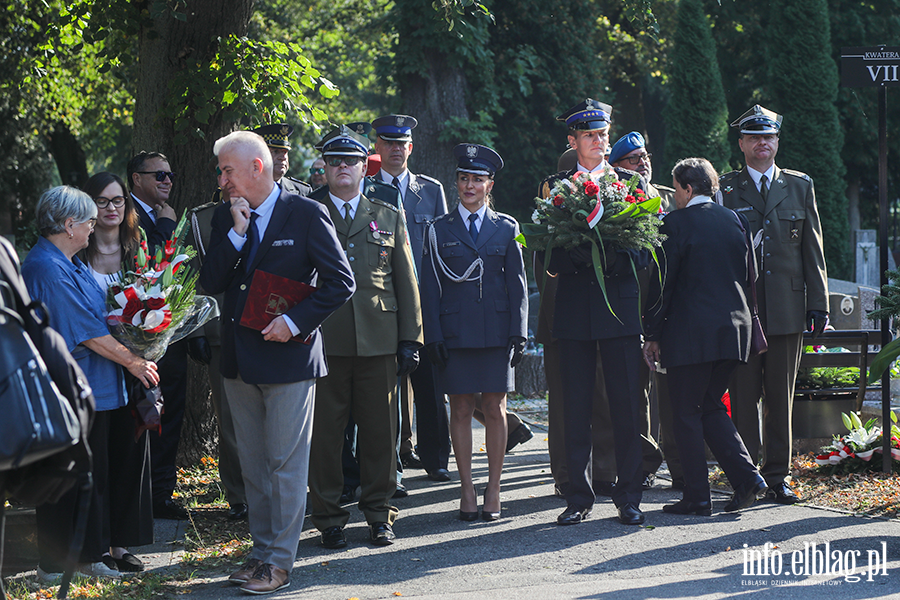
(635, 160)
(319, 171)
(160, 175)
(102, 202)
(335, 161)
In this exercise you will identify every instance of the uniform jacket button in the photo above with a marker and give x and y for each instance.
(243, 287)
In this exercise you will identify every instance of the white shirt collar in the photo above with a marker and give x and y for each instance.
(339, 204)
(698, 200)
(756, 175)
(464, 213)
(602, 166)
(265, 209)
(147, 208)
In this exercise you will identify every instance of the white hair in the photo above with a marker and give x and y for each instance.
(59, 204)
(245, 141)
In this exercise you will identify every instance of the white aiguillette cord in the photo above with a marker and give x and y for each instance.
(478, 263)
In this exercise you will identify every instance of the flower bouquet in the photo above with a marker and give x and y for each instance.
(153, 305)
(598, 209)
(852, 452)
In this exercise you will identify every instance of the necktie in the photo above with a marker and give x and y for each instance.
(153, 215)
(396, 183)
(347, 218)
(763, 188)
(252, 239)
(473, 231)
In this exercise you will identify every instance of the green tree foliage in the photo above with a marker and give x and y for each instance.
(803, 80)
(696, 116)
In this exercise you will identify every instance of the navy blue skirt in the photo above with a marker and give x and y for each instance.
(474, 370)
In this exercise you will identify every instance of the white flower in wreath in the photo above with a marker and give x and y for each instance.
(536, 217)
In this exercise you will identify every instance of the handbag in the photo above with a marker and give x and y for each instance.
(37, 419)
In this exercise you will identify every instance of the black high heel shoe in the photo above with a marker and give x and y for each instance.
(468, 516)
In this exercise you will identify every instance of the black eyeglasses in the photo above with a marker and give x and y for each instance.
(634, 160)
(102, 202)
(160, 175)
(335, 161)
(319, 171)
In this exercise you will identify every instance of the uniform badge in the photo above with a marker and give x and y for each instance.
(400, 121)
(728, 189)
(472, 151)
(415, 187)
(360, 129)
(371, 189)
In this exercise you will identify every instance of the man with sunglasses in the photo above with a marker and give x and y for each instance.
(317, 173)
(423, 201)
(369, 342)
(277, 137)
(150, 179)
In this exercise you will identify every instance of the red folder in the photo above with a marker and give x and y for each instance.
(270, 296)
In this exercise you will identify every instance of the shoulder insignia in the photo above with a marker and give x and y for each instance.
(384, 203)
(203, 207)
(799, 174)
(428, 178)
(506, 217)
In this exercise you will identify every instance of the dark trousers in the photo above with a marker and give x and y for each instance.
(130, 507)
(700, 415)
(164, 446)
(432, 425)
(621, 357)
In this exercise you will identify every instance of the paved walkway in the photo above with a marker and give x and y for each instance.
(525, 555)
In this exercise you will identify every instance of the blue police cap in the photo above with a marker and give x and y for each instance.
(395, 127)
(276, 135)
(625, 144)
(587, 116)
(476, 159)
(343, 142)
(759, 121)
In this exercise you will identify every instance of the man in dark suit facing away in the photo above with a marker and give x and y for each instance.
(269, 377)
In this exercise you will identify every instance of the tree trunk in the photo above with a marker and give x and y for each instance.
(68, 154)
(853, 205)
(433, 99)
(169, 48)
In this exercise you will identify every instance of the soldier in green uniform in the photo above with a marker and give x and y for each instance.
(368, 342)
(792, 290)
(277, 137)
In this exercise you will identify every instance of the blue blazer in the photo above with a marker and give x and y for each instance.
(456, 313)
(424, 201)
(307, 250)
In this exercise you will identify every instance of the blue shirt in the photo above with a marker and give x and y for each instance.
(77, 308)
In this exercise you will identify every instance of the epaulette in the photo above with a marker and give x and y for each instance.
(427, 178)
(799, 174)
(384, 203)
(728, 174)
(439, 217)
(295, 180)
(202, 207)
(506, 217)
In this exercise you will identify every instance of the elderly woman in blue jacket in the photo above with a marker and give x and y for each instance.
(475, 308)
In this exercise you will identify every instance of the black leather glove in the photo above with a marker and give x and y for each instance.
(199, 350)
(517, 347)
(407, 358)
(816, 320)
(581, 256)
(437, 352)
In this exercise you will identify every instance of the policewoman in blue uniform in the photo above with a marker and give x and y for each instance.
(475, 308)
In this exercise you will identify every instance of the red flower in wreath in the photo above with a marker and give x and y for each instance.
(630, 198)
(591, 188)
(557, 200)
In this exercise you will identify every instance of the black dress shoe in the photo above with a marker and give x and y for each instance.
(604, 488)
(381, 534)
(169, 510)
(237, 512)
(348, 494)
(649, 480)
(745, 495)
(573, 515)
(519, 435)
(684, 507)
(439, 475)
(782, 494)
(334, 538)
(411, 461)
(630, 514)
(129, 563)
(678, 484)
(401, 491)
(468, 516)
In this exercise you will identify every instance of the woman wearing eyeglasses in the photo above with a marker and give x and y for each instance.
(128, 514)
(475, 307)
(77, 310)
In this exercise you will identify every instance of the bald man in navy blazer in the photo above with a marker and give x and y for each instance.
(269, 378)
